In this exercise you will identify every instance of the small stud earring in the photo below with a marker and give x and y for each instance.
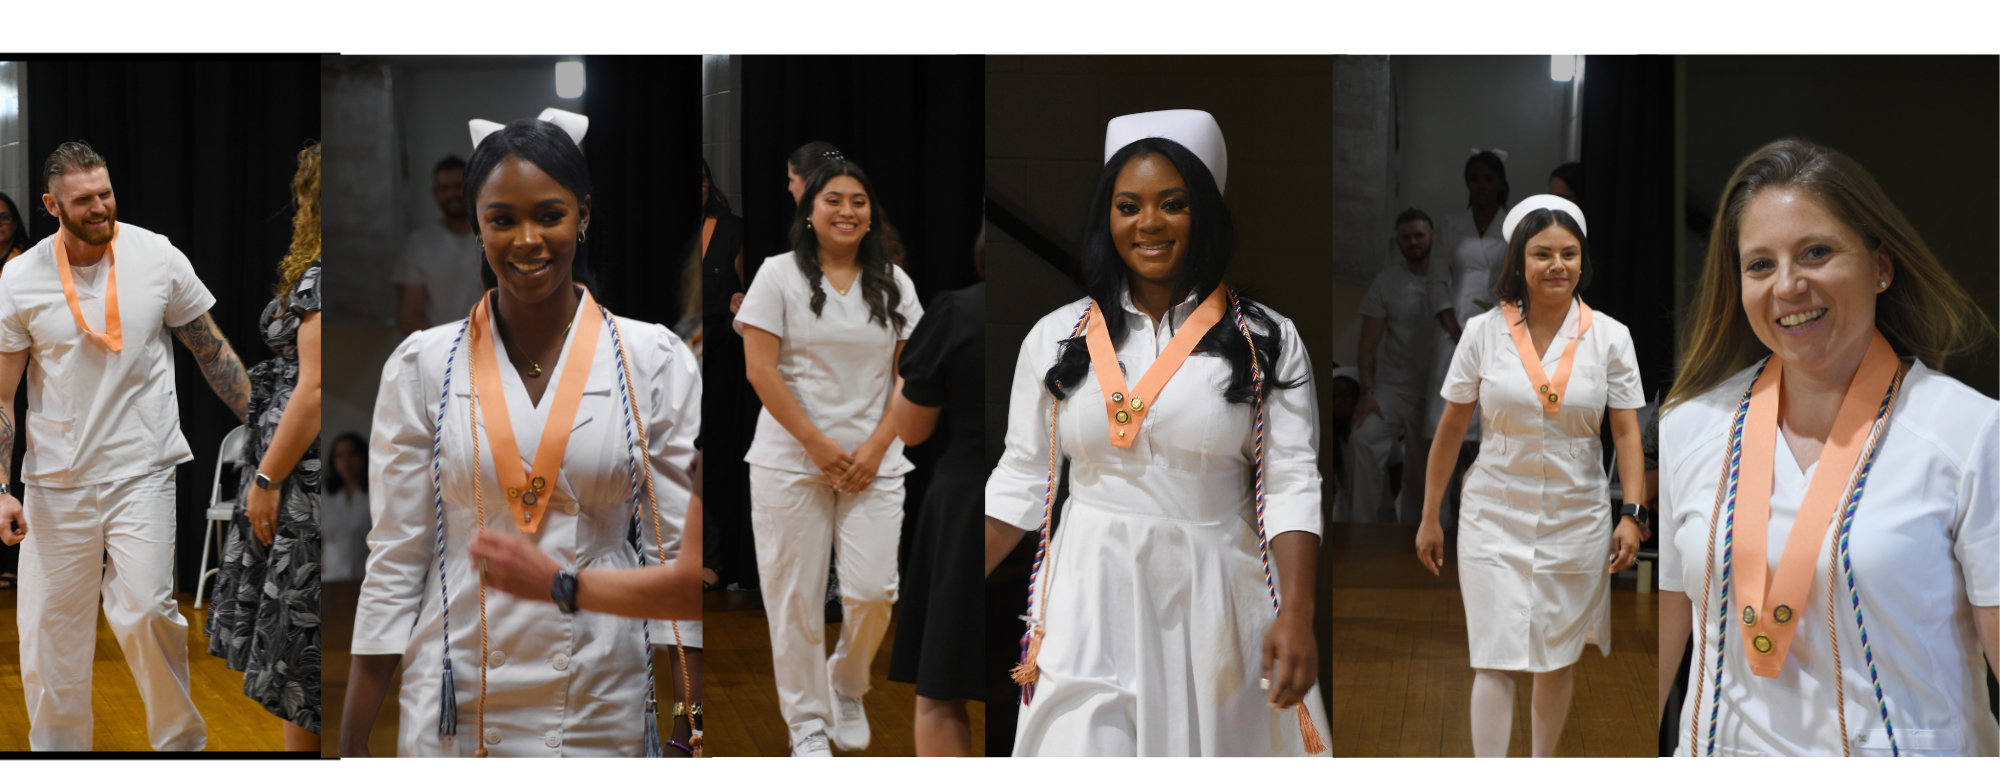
(1882, 285)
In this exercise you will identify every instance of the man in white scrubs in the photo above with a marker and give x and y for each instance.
(437, 277)
(1397, 342)
(87, 312)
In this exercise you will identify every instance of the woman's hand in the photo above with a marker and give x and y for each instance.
(1430, 545)
(1291, 660)
(514, 565)
(861, 473)
(261, 506)
(833, 461)
(735, 303)
(1624, 545)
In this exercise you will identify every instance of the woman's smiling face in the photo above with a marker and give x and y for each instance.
(1150, 221)
(1552, 264)
(1809, 280)
(840, 214)
(528, 226)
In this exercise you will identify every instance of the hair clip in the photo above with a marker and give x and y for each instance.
(832, 155)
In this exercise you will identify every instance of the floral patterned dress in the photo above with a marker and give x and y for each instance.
(265, 620)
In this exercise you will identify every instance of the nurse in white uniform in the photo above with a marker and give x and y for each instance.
(1398, 337)
(1841, 574)
(518, 421)
(1470, 251)
(1535, 526)
(1150, 625)
(87, 313)
(822, 328)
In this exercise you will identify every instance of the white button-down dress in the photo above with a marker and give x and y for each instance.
(1156, 603)
(1925, 549)
(1534, 522)
(1464, 264)
(557, 684)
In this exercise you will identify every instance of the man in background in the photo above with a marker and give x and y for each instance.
(1398, 339)
(437, 277)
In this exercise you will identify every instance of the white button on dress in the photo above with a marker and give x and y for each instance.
(492, 736)
(552, 739)
(560, 661)
(495, 659)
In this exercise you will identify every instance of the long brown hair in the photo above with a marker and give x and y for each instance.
(305, 224)
(876, 257)
(1925, 314)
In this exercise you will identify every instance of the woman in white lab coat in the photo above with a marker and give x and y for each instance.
(822, 328)
(1151, 629)
(484, 672)
(1470, 246)
(1854, 589)
(1535, 528)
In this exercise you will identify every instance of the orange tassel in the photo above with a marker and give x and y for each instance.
(1026, 672)
(695, 743)
(1310, 733)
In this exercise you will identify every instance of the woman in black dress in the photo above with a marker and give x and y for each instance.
(940, 628)
(265, 621)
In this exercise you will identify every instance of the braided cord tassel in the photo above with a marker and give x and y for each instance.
(1027, 672)
(1847, 564)
(1308, 733)
(448, 701)
(633, 446)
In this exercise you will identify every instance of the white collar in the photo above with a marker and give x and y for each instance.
(1176, 315)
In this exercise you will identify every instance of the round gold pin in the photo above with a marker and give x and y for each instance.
(1138, 404)
(1762, 642)
(538, 483)
(1117, 397)
(1552, 397)
(1749, 615)
(528, 498)
(1545, 388)
(1122, 417)
(513, 492)
(1782, 614)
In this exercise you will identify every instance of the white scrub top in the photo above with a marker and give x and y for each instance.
(1404, 357)
(1157, 606)
(1925, 549)
(93, 415)
(558, 684)
(447, 266)
(839, 365)
(1534, 523)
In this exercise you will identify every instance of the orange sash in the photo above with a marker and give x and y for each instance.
(1125, 415)
(1549, 391)
(1771, 603)
(526, 489)
(113, 336)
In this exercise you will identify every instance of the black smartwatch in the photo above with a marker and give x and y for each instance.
(563, 591)
(1635, 511)
(263, 481)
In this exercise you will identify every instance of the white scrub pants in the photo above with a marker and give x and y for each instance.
(65, 574)
(798, 518)
(1368, 452)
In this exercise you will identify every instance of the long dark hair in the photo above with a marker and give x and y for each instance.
(1513, 284)
(809, 157)
(334, 484)
(20, 225)
(1499, 168)
(548, 147)
(876, 257)
(1211, 243)
(717, 204)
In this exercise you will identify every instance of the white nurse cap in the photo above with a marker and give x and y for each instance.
(1543, 201)
(572, 123)
(1191, 128)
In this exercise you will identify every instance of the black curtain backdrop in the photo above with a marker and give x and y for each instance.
(917, 125)
(644, 112)
(1628, 192)
(202, 151)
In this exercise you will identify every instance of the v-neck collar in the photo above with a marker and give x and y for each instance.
(1564, 333)
(510, 376)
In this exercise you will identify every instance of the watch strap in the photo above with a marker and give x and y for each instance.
(563, 591)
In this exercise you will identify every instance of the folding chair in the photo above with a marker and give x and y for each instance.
(220, 509)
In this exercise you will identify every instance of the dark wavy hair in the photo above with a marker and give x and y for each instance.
(334, 484)
(1571, 174)
(548, 147)
(1497, 166)
(876, 257)
(1211, 243)
(20, 225)
(1513, 285)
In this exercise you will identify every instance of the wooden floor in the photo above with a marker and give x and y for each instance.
(741, 697)
(235, 723)
(1402, 680)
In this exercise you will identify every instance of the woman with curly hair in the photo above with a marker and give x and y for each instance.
(265, 621)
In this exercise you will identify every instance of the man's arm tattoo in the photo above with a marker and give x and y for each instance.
(218, 362)
(6, 440)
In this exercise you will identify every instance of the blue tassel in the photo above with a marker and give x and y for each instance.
(448, 706)
(653, 749)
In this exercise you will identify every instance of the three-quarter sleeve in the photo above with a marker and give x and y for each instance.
(401, 545)
(1976, 539)
(1461, 383)
(673, 420)
(1291, 442)
(1015, 490)
(1621, 372)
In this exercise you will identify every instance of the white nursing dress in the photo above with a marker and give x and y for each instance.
(1156, 603)
(557, 684)
(1534, 524)
(1925, 549)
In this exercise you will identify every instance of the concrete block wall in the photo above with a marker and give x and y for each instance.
(721, 120)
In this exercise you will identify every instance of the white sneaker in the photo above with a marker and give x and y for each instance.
(850, 723)
(813, 745)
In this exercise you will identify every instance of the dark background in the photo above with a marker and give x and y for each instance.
(202, 152)
(644, 208)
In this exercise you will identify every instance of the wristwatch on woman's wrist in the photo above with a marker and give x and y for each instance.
(263, 481)
(563, 591)
(1635, 511)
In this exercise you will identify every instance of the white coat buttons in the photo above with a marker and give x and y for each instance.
(552, 739)
(495, 659)
(560, 661)
(570, 509)
(492, 736)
